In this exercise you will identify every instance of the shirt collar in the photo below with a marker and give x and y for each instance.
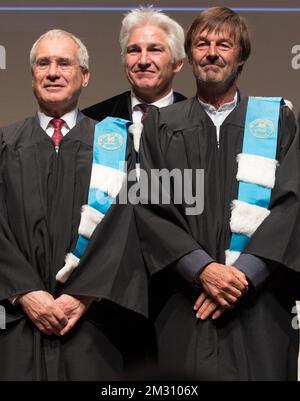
(226, 106)
(70, 119)
(163, 102)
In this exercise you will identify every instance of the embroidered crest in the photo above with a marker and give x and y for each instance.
(111, 141)
(261, 128)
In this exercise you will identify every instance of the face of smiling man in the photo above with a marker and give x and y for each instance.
(57, 78)
(149, 64)
(215, 59)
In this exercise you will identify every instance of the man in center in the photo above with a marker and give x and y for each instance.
(152, 50)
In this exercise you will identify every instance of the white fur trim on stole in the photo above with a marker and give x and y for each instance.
(90, 218)
(136, 131)
(71, 262)
(245, 218)
(256, 169)
(231, 257)
(289, 104)
(107, 179)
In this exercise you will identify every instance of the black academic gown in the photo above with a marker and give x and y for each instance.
(41, 197)
(117, 106)
(255, 340)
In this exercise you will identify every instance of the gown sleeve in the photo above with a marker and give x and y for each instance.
(17, 276)
(164, 233)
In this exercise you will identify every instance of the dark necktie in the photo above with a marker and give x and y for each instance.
(57, 136)
(145, 108)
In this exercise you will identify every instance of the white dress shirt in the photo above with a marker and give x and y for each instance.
(69, 118)
(218, 115)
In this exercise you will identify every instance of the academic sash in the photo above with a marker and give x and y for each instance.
(107, 178)
(256, 173)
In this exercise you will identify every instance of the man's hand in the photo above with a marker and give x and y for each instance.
(224, 284)
(41, 309)
(74, 308)
(206, 307)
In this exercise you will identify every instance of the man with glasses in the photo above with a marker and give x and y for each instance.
(46, 166)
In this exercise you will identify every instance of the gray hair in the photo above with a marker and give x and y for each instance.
(148, 16)
(82, 54)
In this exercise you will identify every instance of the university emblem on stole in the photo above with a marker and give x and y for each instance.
(112, 141)
(261, 128)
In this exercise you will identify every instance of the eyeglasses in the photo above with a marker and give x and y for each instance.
(64, 64)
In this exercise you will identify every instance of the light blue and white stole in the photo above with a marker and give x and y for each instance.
(107, 178)
(256, 173)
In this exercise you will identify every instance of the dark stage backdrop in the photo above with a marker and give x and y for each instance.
(273, 69)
